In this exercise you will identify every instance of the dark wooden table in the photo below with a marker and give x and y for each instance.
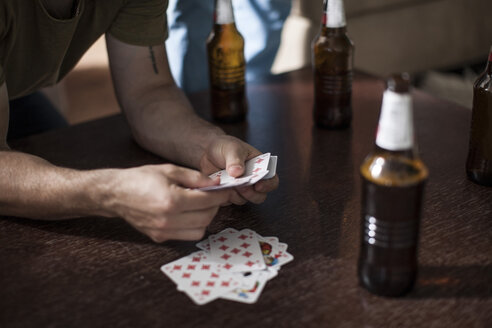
(101, 273)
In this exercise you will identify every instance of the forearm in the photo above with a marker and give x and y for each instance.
(32, 187)
(161, 118)
(167, 125)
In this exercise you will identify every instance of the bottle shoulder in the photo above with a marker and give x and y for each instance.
(393, 169)
(484, 81)
(225, 37)
(333, 42)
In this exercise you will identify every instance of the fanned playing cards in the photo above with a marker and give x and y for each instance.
(232, 265)
(261, 167)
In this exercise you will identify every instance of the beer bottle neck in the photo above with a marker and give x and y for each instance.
(329, 31)
(407, 153)
(223, 12)
(334, 14)
(395, 129)
(488, 69)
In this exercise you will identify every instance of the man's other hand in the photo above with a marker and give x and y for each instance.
(159, 201)
(230, 153)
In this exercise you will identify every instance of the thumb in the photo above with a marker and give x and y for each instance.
(235, 155)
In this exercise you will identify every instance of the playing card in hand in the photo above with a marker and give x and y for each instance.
(257, 168)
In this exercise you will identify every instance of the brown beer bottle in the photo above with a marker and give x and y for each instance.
(333, 57)
(479, 162)
(225, 48)
(393, 178)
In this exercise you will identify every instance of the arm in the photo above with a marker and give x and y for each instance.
(162, 120)
(32, 187)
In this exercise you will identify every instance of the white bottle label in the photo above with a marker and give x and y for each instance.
(223, 12)
(335, 14)
(395, 130)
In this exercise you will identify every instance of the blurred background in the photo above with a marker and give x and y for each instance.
(443, 43)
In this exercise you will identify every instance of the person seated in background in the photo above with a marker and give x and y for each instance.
(40, 42)
(190, 22)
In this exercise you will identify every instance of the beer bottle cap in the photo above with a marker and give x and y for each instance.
(399, 83)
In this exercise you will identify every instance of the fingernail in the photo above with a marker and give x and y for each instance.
(235, 169)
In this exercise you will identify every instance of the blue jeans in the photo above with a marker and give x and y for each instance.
(190, 22)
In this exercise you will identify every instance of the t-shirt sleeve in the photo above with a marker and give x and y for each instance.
(2, 76)
(3, 28)
(141, 23)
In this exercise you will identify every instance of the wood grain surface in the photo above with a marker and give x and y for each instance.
(96, 272)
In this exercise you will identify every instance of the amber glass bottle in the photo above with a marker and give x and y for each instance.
(479, 162)
(333, 56)
(393, 178)
(225, 49)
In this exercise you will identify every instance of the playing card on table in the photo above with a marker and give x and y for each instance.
(274, 253)
(232, 265)
(200, 278)
(255, 169)
(282, 256)
(249, 279)
(205, 244)
(249, 295)
(239, 251)
(269, 247)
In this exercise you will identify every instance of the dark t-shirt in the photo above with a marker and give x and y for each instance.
(38, 50)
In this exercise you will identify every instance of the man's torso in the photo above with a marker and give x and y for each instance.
(42, 40)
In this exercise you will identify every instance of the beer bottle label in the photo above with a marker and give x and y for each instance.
(390, 234)
(395, 130)
(334, 16)
(227, 68)
(225, 78)
(223, 12)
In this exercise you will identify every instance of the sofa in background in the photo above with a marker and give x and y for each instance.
(396, 35)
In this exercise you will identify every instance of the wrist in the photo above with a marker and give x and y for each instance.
(102, 195)
(204, 142)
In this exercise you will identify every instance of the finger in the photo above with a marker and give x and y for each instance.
(237, 199)
(185, 200)
(187, 220)
(179, 234)
(251, 195)
(265, 186)
(187, 177)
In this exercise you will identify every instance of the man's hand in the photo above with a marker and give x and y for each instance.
(157, 201)
(230, 153)
(163, 121)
